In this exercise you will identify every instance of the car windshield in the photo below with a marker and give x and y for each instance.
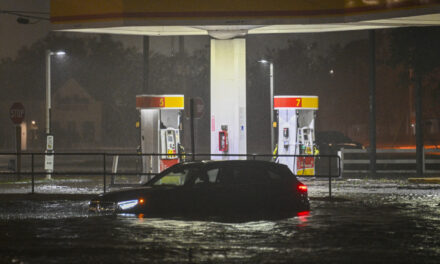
(176, 176)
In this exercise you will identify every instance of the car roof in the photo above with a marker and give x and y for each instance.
(230, 162)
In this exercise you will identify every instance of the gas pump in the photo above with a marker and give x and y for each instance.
(160, 125)
(170, 140)
(296, 130)
(305, 145)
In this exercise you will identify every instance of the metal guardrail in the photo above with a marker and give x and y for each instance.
(33, 170)
(387, 161)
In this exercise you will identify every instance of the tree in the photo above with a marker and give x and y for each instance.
(108, 71)
(416, 47)
(416, 50)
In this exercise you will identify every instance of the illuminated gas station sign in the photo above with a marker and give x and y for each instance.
(159, 101)
(304, 102)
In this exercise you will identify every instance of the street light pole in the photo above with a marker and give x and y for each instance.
(48, 92)
(49, 159)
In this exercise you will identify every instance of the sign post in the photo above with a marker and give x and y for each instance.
(49, 157)
(17, 113)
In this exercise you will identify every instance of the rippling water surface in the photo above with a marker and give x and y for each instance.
(368, 222)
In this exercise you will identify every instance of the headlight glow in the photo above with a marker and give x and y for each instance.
(124, 205)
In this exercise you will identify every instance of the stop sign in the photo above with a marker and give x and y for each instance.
(199, 107)
(16, 112)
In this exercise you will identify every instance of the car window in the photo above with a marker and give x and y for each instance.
(210, 176)
(173, 177)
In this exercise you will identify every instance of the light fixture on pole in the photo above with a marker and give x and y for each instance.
(49, 159)
(272, 138)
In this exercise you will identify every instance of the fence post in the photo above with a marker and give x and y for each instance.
(104, 173)
(32, 173)
(18, 151)
(330, 177)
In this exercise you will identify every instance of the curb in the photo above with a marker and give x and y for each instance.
(424, 180)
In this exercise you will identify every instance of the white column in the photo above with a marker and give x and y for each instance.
(272, 136)
(228, 93)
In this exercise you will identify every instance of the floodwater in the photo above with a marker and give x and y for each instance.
(369, 221)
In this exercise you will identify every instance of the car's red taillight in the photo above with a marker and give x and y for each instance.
(303, 213)
(302, 188)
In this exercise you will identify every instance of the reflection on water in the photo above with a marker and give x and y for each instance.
(377, 226)
(303, 218)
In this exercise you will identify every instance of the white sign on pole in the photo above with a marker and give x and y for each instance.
(48, 162)
(49, 142)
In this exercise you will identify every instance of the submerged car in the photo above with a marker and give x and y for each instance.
(211, 188)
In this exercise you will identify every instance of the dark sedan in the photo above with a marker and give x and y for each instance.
(211, 188)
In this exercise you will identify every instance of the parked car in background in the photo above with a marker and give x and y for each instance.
(330, 142)
(218, 188)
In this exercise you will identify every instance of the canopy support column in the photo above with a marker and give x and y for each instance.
(228, 95)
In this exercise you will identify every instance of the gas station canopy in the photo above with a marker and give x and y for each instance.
(229, 18)
(226, 21)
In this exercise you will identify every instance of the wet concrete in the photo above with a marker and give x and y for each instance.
(368, 221)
